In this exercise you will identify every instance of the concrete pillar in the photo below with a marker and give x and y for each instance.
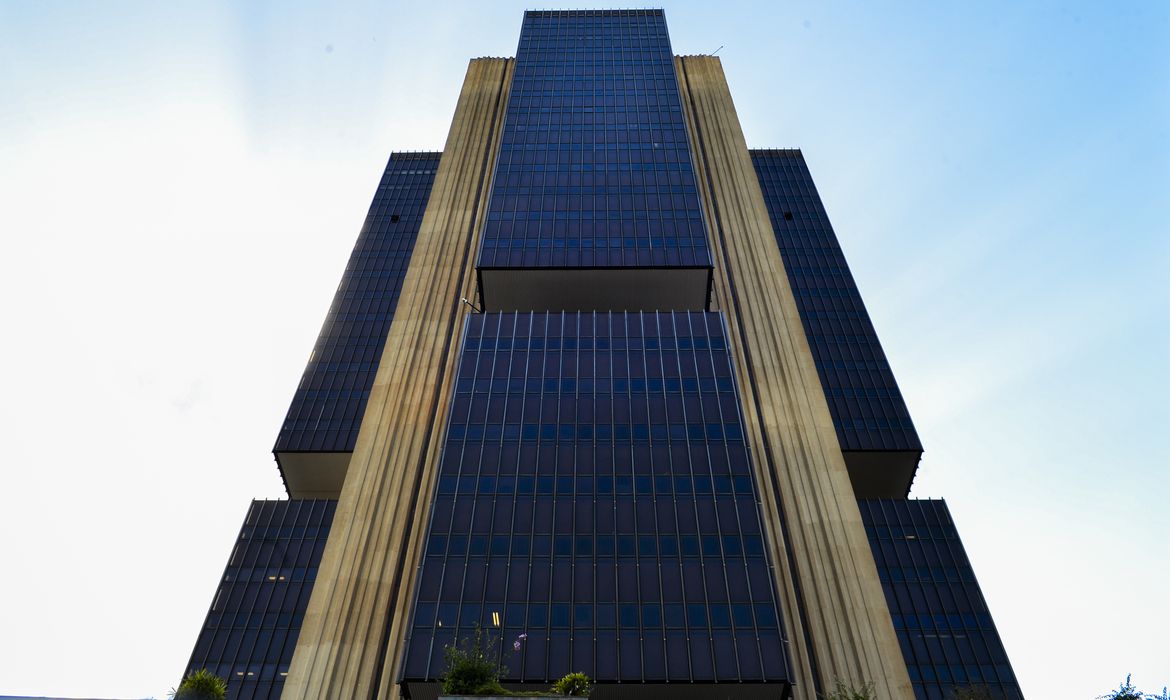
(836, 614)
(351, 640)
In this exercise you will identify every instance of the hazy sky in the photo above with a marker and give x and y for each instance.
(181, 184)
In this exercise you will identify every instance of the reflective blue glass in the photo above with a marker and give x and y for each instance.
(329, 402)
(621, 531)
(948, 637)
(255, 617)
(867, 406)
(594, 167)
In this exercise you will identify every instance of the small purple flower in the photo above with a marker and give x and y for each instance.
(516, 645)
(523, 636)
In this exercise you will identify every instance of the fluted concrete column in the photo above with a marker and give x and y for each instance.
(838, 621)
(350, 642)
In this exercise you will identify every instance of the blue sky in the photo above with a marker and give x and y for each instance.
(180, 185)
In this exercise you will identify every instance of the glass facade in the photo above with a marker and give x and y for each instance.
(251, 629)
(594, 167)
(329, 402)
(596, 493)
(948, 638)
(868, 410)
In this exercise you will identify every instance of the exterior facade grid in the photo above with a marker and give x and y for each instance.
(330, 400)
(594, 168)
(597, 495)
(948, 637)
(868, 410)
(251, 629)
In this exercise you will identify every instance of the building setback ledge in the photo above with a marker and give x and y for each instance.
(595, 289)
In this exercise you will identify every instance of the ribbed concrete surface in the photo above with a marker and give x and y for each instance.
(350, 642)
(829, 584)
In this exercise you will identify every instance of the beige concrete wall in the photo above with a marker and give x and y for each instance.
(351, 640)
(829, 585)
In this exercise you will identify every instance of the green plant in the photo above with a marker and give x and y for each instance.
(201, 685)
(848, 692)
(575, 685)
(1125, 691)
(472, 666)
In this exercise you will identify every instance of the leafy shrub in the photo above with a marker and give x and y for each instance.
(472, 668)
(1126, 691)
(575, 685)
(201, 685)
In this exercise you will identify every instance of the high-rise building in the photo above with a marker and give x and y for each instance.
(597, 379)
